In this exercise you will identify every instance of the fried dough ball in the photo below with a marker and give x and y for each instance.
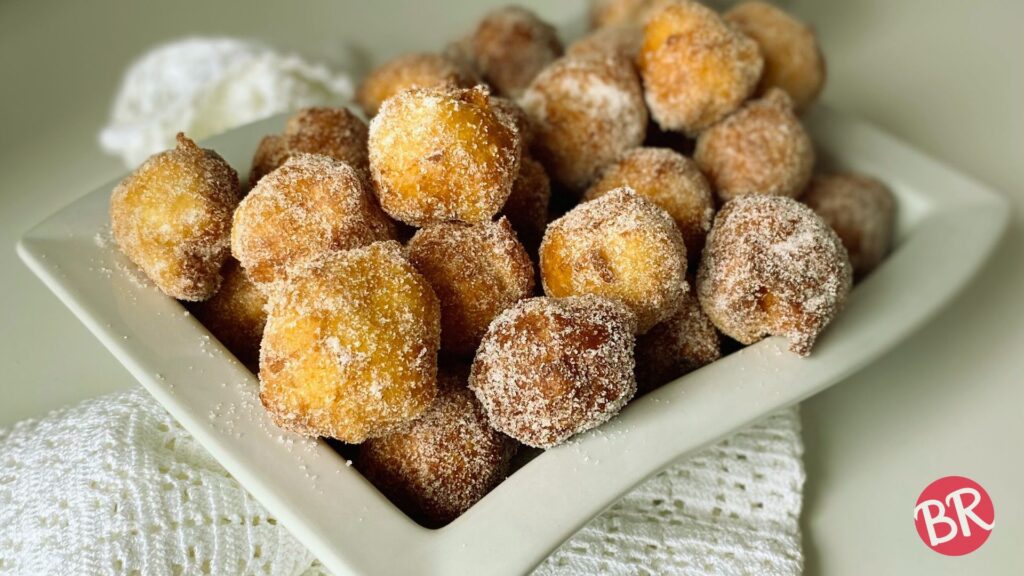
(350, 347)
(172, 218)
(527, 205)
(310, 206)
(609, 13)
(623, 41)
(236, 314)
(670, 180)
(861, 210)
(620, 246)
(411, 71)
(550, 368)
(476, 270)
(792, 57)
(511, 45)
(445, 462)
(683, 343)
(439, 155)
(772, 267)
(333, 132)
(761, 149)
(696, 67)
(587, 112)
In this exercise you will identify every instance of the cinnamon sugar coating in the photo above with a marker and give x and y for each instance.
(333, 132)
(670, 180)
(587, 112)
(861, 210)
(550, 368)
(310, 206)
(683, 343)
(477, 271)
(510, 46)
(350, 346)
(236, 314)
(620, 246)
(438, 155)
(772, 267)
(696, 67)
(172, 218)
(417, 70)
(446, 461)
(761, 149)
(792, 57)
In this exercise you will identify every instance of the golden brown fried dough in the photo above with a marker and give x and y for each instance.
(310, 206)
(619, 246)
(172, 218)
(587, 112)
(439, 155)
(477, 271)
(772, 267)
(350, 347)
(696, 68)
(550, 368)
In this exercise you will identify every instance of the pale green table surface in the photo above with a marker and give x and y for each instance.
(947, 77)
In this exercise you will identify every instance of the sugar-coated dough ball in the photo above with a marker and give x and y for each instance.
(439, 155)
(550, 368)
(236, 314)
(772, 267)
(620, 246)
(477, 271)
(587, 112)
(623, 41)
(610, 13)
(445, 462)
(761, 149)
(861, 210)
(792, 57)
(677, 346)
(527, 205)
(416, 70)
(696, 67)
(510, 46)
(333, 132)
(172, 218)
(350, 347)
(670, 180)
(308, 207)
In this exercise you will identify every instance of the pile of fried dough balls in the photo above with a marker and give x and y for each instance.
(502, 255)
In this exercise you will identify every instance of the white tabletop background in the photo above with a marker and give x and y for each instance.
(946, 76)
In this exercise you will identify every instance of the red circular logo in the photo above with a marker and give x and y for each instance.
(954, 516)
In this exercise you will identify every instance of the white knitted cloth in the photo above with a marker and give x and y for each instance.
(204, 86)
(116, 486)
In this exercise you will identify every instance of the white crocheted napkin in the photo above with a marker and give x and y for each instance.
(116, 486)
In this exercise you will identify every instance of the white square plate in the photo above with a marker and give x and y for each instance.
(947, 225)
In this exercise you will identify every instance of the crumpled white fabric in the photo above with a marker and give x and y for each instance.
(203, 86)
(116, 486)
